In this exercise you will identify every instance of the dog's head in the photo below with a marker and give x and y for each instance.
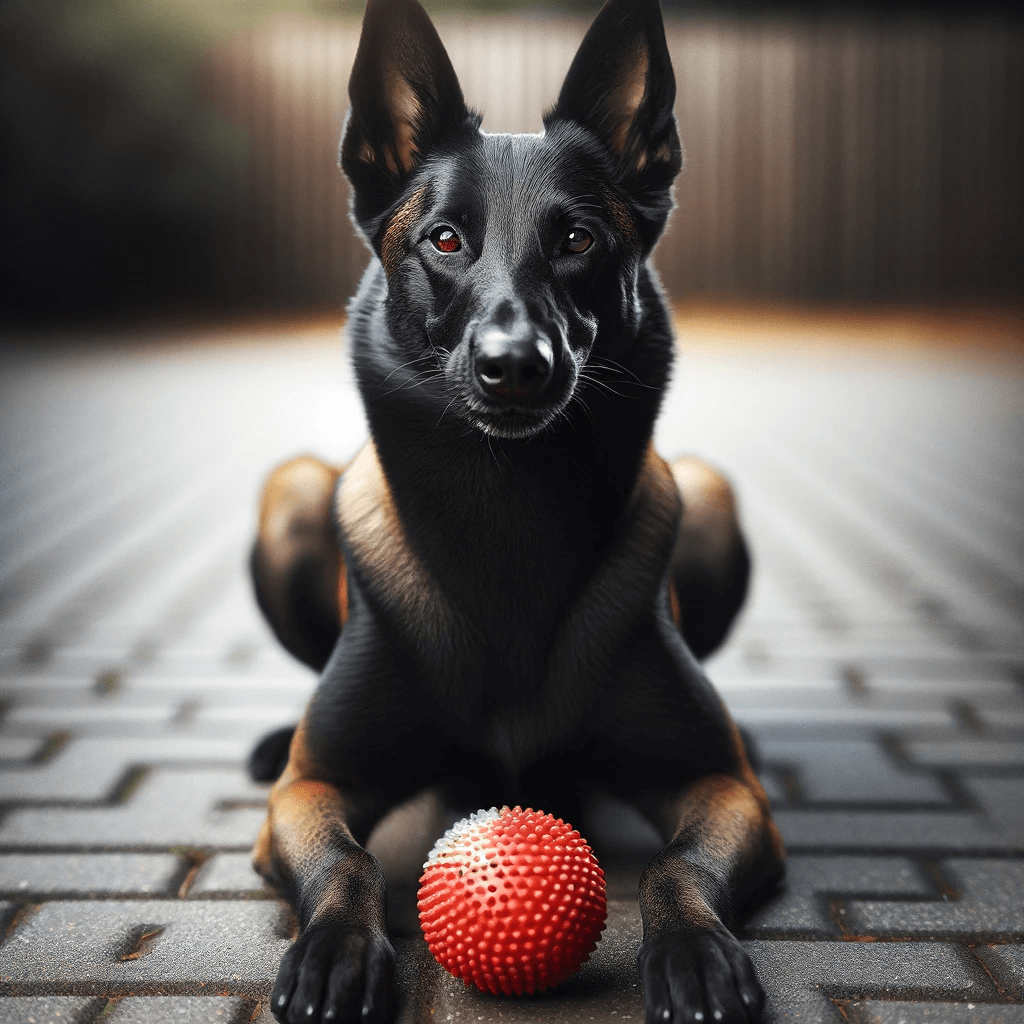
(510, 259)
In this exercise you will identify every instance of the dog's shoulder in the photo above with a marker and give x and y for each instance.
(380, 555)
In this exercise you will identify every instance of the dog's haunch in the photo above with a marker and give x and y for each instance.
(512, 901)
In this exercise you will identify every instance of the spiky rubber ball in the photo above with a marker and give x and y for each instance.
(512, 901)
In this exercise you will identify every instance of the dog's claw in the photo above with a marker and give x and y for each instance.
(333, 974)
(697, 977)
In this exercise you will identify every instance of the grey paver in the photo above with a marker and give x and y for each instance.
(180, 1010)
(112, 717)
(800, 977)
(224, 690)
(227, 874)
(739, 685)
(976, 689)
(168, 808)
(263, 1014)
(815, 730)
(889, 830)
(20, 748)
(773, 786)
(44, 689)
(141, 689)
(606, 990)
(192, 659)
(968, 752)
(876, 534)
(800, 910)
(1006, 965)
(183, 721)
(78, 772)
(997, 713)
(1003, 801)
(939, 663)
(829, 705)
(77, 947)
(990, 904)
(90, 769)
(97, 874)
(49, 1009)
(852, 771)
(874, 1012)
(263, 716)
(884, 647)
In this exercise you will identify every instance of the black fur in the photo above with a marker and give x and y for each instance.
(308, 629)
(269, 757)
(523, 650)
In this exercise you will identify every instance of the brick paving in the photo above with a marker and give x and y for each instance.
(880, 666)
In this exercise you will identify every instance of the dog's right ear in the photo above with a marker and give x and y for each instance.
(404, 97)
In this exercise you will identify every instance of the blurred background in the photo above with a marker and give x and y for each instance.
(178, 157)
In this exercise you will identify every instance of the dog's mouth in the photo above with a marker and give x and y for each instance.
(512, 422)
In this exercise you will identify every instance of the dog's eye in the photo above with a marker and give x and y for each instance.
(578, 240)
(445, 240)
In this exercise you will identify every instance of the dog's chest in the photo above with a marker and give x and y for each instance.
(517, 737)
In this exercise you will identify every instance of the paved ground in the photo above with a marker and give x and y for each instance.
(880, 665)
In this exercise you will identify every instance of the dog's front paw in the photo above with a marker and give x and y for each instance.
(699, 976)
(333, 973)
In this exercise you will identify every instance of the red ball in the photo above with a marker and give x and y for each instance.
(512, 900)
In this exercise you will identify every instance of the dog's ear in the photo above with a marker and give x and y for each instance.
(404, 96)
(621, 87)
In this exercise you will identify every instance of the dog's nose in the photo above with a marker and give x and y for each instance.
(513, 367)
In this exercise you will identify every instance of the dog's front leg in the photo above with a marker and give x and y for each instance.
(724, 847)
(341, 966)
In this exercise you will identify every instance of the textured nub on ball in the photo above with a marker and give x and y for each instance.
(512, 900)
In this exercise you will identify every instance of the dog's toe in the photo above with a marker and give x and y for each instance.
(335, 974)
(699, 977)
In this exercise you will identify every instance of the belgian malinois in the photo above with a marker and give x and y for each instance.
(507, 589)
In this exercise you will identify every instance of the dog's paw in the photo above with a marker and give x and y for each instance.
(336, 974)
(699, 977)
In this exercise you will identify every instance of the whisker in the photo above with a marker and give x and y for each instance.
(412, 382)
(411, 362)
(586, 408)
(610, 364)
(424, 378)
(490, 448)
(443, 411)
(604, 385)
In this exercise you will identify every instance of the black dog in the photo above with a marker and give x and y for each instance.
(523, 584)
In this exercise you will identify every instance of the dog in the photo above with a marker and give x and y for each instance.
(507, 590)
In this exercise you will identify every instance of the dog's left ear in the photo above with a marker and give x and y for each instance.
(621, 87)
(404, 97)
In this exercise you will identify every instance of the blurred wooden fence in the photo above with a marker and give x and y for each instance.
(830, 158)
